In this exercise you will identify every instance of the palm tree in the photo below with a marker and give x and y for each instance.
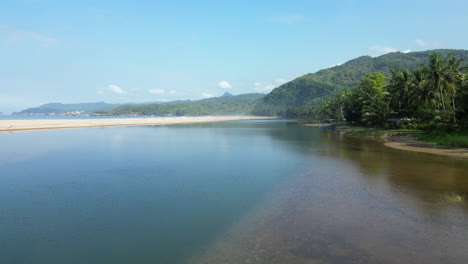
(442, 77)
(402, 90)
(423, 93)
(377, 110)
(435, 72)
(456, 81)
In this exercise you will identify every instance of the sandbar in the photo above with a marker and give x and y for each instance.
(43, 124)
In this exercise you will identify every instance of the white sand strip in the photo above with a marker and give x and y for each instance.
(38, 124)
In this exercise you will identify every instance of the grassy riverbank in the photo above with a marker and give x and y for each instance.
(458, 139)
(453, 144)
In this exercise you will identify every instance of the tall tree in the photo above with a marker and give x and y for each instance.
(403, 89)
(442, 78)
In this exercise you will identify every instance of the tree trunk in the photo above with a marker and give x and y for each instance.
(442, 99)
(454, 112)
(341, 110)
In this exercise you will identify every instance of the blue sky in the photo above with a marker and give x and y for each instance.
(139, 51)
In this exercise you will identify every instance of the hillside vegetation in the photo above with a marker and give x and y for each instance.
(432, 99)
(307, 92)
(224, 105)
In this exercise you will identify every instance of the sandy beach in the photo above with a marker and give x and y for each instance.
(40, 124)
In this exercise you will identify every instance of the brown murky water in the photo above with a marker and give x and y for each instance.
(363, 203)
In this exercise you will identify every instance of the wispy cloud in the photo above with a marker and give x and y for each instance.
(282, 80)
(268, 86)
(156, 91)
(263, 88)
(289, 19)
(116, 89)
(207, 95)
(421, 43)
(12, 35)
(172, 92)
(112, 88)
(334, 65)
(224, 85)
(382, 49)
(407, 51)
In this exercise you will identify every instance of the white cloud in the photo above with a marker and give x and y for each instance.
(267, 87)
(290, 19)
(172, 92)
(224, 85)
(13, 36)
(382, 49)
(263, 88)
(207, 95)
(334, 65)
(421, 42)
(156, 91)
(116, 89)
(407, 51)
(281, 80)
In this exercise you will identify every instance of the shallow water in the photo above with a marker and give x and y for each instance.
(228, 192)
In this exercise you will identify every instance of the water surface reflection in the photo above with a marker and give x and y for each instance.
(231, 192)
(361, 203)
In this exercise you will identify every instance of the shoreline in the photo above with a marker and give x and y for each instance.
(405, 142)
(48, 124)
(400, 141)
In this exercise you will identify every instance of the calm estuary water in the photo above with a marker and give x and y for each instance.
(230, 192)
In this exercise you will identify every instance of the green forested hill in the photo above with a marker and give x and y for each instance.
(312, 89)
(224, 105)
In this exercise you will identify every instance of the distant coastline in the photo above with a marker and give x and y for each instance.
(45, 124)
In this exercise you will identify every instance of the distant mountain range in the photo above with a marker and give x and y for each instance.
(102, 107)
(59, 108)
(314, 88)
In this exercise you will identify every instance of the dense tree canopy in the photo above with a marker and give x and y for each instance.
(433, 94)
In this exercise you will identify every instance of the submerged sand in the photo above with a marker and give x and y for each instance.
(332, 216)
(39, 124)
